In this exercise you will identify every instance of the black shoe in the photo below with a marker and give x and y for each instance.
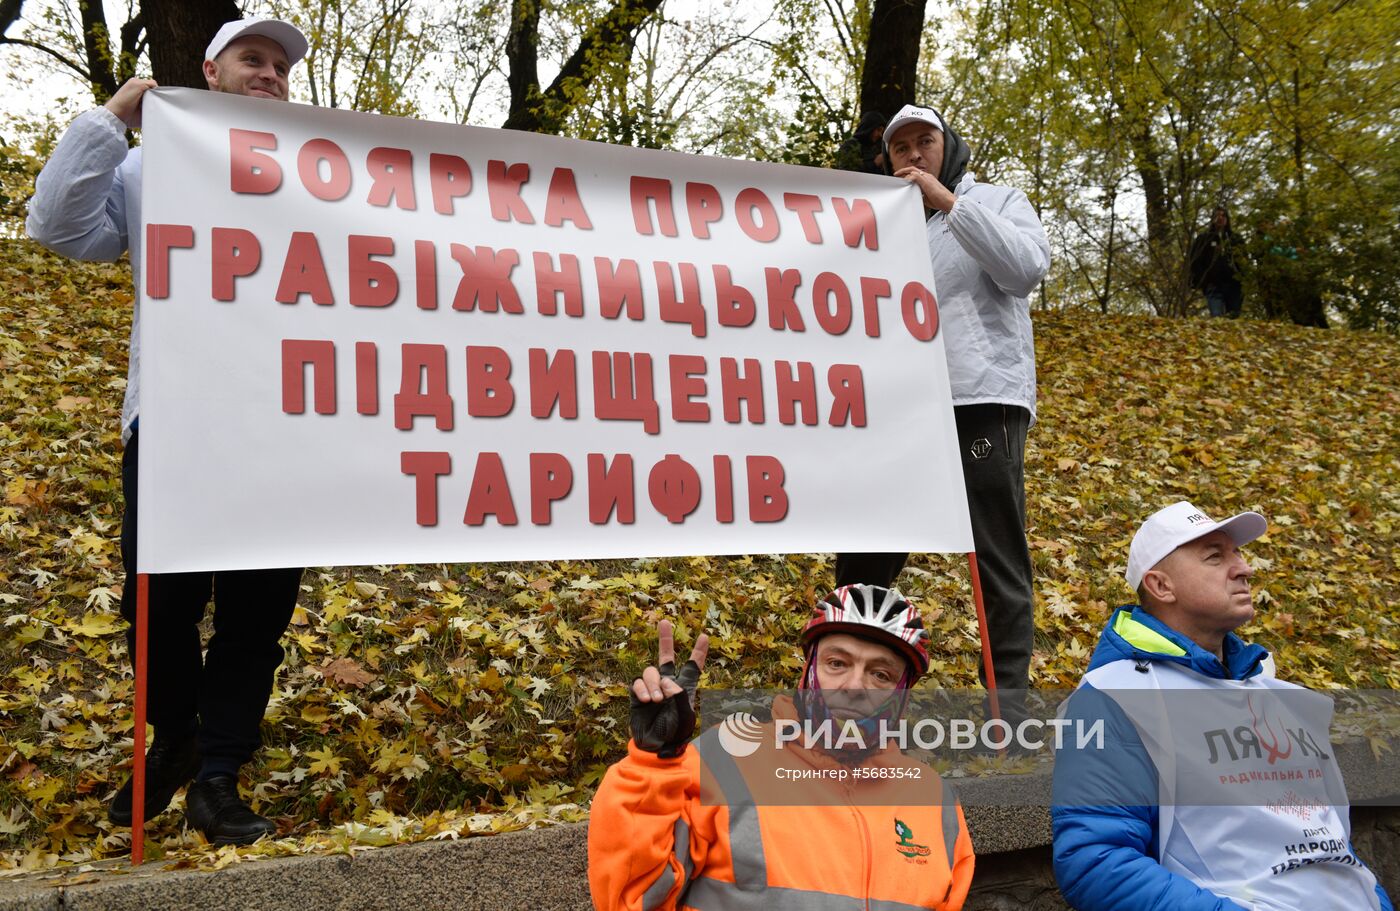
(213, 807)
(170, 765)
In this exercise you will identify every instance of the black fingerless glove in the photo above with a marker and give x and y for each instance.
(664, 727)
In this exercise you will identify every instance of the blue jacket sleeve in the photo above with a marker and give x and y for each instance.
(1105, 821)
(1384, 899)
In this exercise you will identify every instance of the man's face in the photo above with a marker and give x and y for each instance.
(1209, 583)
(1220, 218)
(918, 145)
(253, 65)
(845, 663)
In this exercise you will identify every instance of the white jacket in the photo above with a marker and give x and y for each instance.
(989, 253)
(87, 205)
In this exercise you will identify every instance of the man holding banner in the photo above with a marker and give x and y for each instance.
(989, 253)
(206, 710)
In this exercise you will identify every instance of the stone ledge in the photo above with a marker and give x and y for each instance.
(546, 869)
(541, 869)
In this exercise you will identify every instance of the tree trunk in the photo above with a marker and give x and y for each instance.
(522, 51)
(1166, 257)
(179, 31)
(887, 79)
(97, 45)
(611, 35)
(133, 43)
(1305, 301)
(1109, 251)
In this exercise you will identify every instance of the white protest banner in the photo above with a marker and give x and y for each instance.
(375, 340)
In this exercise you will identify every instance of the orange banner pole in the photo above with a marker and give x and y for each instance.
(138, 773)
(982, 633)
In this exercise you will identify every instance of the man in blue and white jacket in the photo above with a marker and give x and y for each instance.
(1214, 787)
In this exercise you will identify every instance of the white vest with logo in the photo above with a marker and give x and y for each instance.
(1251, 801)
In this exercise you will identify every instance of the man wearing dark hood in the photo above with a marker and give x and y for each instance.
(989, 253)
(863, 150)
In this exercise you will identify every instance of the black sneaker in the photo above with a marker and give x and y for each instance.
(213, 807)
(170, 765)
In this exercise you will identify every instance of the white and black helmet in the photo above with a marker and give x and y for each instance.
(879, 614)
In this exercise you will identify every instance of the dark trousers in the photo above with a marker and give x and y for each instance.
(992, 440)
(1225, 300)
(223, 695)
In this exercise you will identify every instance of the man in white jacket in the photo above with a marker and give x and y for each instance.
(206, 709)
(989, 254)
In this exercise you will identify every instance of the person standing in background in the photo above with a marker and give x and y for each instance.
(989, 253)
(1214, 269)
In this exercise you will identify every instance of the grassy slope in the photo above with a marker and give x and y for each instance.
(498, 690)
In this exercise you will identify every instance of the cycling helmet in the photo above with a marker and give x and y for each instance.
(870, 612)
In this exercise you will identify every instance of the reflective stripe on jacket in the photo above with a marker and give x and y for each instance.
(690, 833)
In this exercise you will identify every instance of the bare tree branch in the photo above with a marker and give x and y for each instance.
(68, 62)
(831, 111)
(367, 61)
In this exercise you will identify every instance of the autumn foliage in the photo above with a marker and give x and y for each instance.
(446, 701)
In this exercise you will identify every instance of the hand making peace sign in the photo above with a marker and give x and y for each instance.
(663, 700)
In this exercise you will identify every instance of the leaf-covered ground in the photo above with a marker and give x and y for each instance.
(446, 701)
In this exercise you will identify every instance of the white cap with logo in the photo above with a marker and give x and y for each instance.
(1167, 529)
(911, 113)
(284, 33)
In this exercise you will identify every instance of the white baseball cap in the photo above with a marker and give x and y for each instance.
(1167, 529)
(284, 33)
(911, 113)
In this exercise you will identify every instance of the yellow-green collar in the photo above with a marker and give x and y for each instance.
(1141, 636)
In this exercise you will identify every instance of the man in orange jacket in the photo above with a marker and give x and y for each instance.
(856, 824)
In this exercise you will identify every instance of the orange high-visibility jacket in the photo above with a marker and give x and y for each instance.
(712, 832)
